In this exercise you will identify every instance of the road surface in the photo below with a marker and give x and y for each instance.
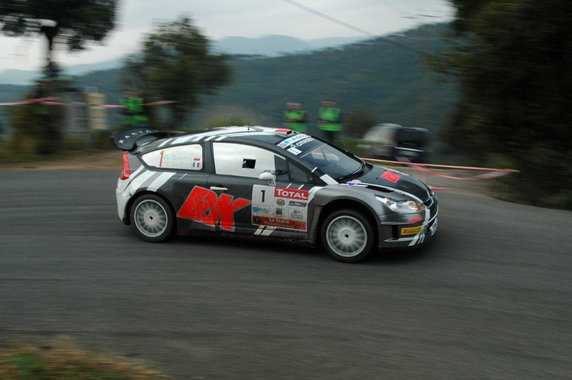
(490, 298)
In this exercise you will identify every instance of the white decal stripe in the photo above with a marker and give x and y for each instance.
(160, 181)
(259, 230)
(165, 143)
(137, 182)
(328, 180)
(268, 231)
(220, 138)
(421, 234)
(184, 139)
(137, 172)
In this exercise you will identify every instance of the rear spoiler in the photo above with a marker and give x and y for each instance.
(128, 140)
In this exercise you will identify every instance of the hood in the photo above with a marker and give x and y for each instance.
(391, 178)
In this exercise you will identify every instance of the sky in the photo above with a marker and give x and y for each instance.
(246, 18)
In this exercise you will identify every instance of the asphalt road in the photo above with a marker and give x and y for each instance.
(490, 298)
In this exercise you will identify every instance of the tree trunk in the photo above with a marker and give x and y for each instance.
(51, 70)
(51, 120)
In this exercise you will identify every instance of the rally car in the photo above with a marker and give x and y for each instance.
(267, 182)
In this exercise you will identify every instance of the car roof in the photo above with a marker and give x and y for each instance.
(239, 134)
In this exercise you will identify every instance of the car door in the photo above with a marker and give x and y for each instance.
(253, 206)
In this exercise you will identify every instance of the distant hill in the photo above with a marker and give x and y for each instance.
(275, 45)
(18, 77)
(270, 45)
(24, 77)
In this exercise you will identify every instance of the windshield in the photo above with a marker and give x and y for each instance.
(332, 161)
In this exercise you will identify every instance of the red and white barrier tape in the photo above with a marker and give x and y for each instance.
(51, 101)
(422, 168)
(47, 100)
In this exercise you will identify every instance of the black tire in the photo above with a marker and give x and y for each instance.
(347, 235)
(152, 218)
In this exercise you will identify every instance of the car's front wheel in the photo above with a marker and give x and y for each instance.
(347, 235)
(152, 218)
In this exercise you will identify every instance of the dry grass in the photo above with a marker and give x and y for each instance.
(63, 361)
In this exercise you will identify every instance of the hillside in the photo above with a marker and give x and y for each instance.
(276, 45)
(375, 76)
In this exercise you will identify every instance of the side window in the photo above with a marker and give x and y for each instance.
(281, 169)
(186, 157)
(250, 161)
(299, 175)
(242, 160)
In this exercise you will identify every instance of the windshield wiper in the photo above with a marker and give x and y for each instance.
(355, 173)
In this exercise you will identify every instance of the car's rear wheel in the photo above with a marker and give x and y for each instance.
(152, 218)
(347, 235)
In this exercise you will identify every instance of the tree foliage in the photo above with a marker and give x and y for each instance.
(514, 73)
(61, 21)
(176, 64)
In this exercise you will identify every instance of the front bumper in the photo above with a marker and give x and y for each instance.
(411, 234)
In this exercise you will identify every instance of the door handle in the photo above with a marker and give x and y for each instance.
(218, 188)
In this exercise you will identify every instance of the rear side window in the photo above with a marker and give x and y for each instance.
(184, 157)
(413, 138)
(242, 160)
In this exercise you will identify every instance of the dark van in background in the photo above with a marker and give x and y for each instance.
(392, 141)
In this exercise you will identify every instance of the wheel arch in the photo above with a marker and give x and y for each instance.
(139, 194)
(345, 204)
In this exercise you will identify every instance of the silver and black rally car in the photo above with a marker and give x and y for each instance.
(267, 182)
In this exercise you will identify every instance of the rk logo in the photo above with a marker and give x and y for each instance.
(204, 206)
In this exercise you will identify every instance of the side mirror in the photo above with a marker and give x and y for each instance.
(268, 177)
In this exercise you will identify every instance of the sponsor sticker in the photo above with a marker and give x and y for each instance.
(411, 230)
(284, 192)
(294, 151)
(391, 177)
(288, 224)
(207, 207)
(354, 182)
(280, 207)
(286, 143)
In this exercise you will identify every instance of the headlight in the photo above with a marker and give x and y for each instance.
(402, 207)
